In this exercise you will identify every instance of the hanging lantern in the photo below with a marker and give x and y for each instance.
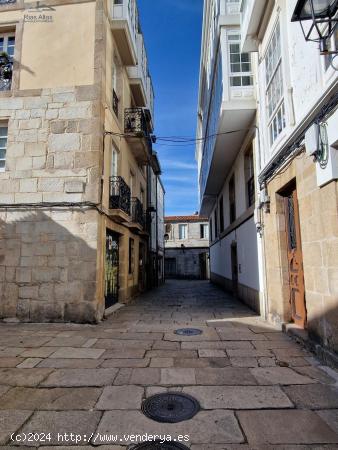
(318, 19)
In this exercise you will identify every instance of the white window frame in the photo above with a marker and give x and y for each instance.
(274, 84)
(205, 228)
(6, 36)
(114, 162)
(5, 126)
(241, 74)
(183, 226)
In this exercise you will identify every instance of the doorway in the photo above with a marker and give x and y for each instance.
(234, 268)
(295, 258)
(111, 269)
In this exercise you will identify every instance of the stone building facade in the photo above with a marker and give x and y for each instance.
(73, 178)
(187, 247)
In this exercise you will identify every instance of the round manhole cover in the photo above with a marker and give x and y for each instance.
(157, 445)
(188, 331)
(170, 408)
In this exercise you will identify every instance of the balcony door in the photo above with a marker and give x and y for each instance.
(111, 269)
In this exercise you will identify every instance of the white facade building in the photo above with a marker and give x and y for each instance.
(226, 114)
(292, 121)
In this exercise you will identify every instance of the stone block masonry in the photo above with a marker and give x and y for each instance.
(48, 256)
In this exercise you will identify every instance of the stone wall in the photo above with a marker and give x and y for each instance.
(187, 262)
(318, 211)
(193, 235)
(48, 255)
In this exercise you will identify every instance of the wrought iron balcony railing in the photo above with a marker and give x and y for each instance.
(6, 70)
(135, 122)
(137, 213)
(119, 195)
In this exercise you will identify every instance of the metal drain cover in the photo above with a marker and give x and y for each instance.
(157, 445)
(188, 331)
(170, 408)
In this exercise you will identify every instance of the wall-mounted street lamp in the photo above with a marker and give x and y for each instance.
(183, 248)
(166, 237)
(323, 17)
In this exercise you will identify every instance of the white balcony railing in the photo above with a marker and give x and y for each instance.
(124, 17)
(150, 96)
(232, 7)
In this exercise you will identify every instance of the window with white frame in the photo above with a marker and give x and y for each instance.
(274, 87)
(114, 162)
(240, 64)
(204, 231)
(182, 231)
(332, 47)
(7, 45)
(3, 146)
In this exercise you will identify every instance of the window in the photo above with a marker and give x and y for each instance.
(221, 215)
(114, 158)
(232, 199)
(131, 183)
(115, 100)
(182, 231)
(3, 146)
(131, 256)
(7, 45)
(204, 231)
(118, 2)
(249, 177)
(274, 87)
(142, 196)
(210, 230)
(240, 64)
(215, 223)
(333, 46)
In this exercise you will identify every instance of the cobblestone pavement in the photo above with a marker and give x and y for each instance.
(257, 388)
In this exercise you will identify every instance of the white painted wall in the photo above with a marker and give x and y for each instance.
(247, 253)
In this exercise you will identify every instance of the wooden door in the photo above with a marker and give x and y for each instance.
(295, 260)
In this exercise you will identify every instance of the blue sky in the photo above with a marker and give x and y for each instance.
(172, 30)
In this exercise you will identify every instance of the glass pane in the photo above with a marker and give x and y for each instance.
(245, 67)
(235, 67)
(247, 81)
(234, 48)
(3, 131)
(3, 142)
(2, 153)
(2, 164)
(235, 57)
(245, 57)
(235, 81)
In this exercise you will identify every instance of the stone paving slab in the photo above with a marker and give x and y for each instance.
(316, 373)
(23, 377)
(10, 422)
(313, 396)
(201, 362)
(80, 377)
(123, 344)
(205, 427)
(120, 397)
(279, 375)
(21, 341)
(10, 362)
(177, 376)
(77, 353)
(239, 397)
(40, 352)
(227, 376)
(123, 354)
(70, 363)
(83, 423)
(285, 427)
(330, 416)
(120, 363)
(214, 345)
(75, 341)
(50, 399)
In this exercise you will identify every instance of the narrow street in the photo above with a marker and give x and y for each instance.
(255, 386)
